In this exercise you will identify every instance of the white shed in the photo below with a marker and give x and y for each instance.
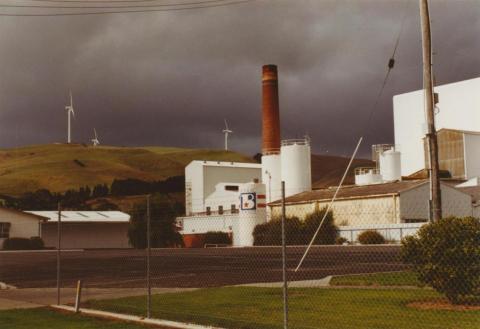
(86, 229)
(18, 224)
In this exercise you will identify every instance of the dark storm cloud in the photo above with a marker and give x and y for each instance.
(171, 78)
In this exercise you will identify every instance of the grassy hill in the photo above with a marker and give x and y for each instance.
(59, 167)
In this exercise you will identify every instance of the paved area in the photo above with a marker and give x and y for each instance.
(192, 268)
(36, 297)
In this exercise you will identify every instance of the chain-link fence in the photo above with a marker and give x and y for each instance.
(304, 267)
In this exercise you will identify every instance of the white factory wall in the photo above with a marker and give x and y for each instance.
(21, 225)
(414, 203)
(201, 177)
(476, 211)
(204, 224)
(472, 155)
(87, 235)
(459, 104)
(360, 211)
(223, 197)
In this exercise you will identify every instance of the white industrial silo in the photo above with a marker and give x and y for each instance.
(252, 212)
(296, 168)
(390, 165)
(271, 176)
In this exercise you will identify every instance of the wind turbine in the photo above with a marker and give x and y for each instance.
(226, 131)
(95, 140)
(70, 111)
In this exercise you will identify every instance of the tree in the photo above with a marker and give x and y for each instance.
(163, 229)
(328, 232)
(446, 256)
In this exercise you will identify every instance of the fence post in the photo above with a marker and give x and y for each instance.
(149, 288)
(59, 244)
(78, 297)
(284, 262)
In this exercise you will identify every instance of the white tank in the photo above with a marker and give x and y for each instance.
(391, 165)
(296, 166)
(367, 176)
(271, 176)
(252, 212)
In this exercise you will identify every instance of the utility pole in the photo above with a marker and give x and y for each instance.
(436, 196)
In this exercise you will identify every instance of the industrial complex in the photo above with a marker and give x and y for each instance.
(393, 196)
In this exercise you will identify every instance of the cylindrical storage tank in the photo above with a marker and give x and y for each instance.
(390, 165)
(271, 176)
(296, 168)
(252, 212)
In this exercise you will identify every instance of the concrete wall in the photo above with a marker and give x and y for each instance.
(414, 203)
(204, 224)
(458, 109)
(365, 211)
(472, 158)
(22, 225)
(87, 235)
(476, 211)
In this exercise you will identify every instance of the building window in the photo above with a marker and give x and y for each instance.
(209, 211)
(4, 230)
(233, 209)
(220, 210)
(233, 188)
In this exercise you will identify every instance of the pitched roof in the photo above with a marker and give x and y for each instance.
(474, 191)
(354, 191)
(85, 216)
(20, 212)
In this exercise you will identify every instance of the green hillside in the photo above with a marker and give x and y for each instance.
(59, 167)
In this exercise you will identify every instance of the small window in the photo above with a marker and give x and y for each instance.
(209, 211)
(4, 230)
(233, 188)
(220, 210)
(233, 209)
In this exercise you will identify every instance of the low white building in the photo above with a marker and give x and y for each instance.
(19, 224)
(80, 229)
(85, 229)
(379, 204)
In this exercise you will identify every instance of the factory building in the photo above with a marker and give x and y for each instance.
(229, 197)
(457, 109)
(388, 203)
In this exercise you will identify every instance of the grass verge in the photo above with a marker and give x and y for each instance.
(45, 318)
(261, 308)
(406, 278)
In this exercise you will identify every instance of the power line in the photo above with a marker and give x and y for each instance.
(125, 11)
(112, 6)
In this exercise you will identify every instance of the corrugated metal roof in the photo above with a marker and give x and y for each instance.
(354, 191)
(474, 191)
(85, 216)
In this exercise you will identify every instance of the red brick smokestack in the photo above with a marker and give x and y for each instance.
(270, 110)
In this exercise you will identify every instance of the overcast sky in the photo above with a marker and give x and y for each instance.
(170, 79)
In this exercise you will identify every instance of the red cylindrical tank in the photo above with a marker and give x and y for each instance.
(270, 110)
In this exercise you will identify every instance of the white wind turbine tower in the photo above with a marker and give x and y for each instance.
(70, 112)
(95, 140)
(226, 131)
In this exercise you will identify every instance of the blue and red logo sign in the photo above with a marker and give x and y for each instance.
(248, 201)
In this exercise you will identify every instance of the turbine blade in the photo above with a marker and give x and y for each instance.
(95, 132)
(226, 124)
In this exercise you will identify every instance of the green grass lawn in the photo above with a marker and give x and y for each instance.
(406, 278)
(261, 308)
(44, 318)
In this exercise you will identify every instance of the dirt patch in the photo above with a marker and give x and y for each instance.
(442, 304)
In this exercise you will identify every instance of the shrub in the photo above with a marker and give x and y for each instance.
(297, 232)
(217, 238)
(341, 240)
(371, 237)
(36, 243)
(328, 232)
(446, 256)
(23, 243)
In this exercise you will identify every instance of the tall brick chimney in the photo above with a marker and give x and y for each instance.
(270, 111)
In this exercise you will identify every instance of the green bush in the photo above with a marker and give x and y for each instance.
(341, 240)
(33, 243)
(446, 256)
(36, 243)
(297, 232)
(371, 237)
(217, 238)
